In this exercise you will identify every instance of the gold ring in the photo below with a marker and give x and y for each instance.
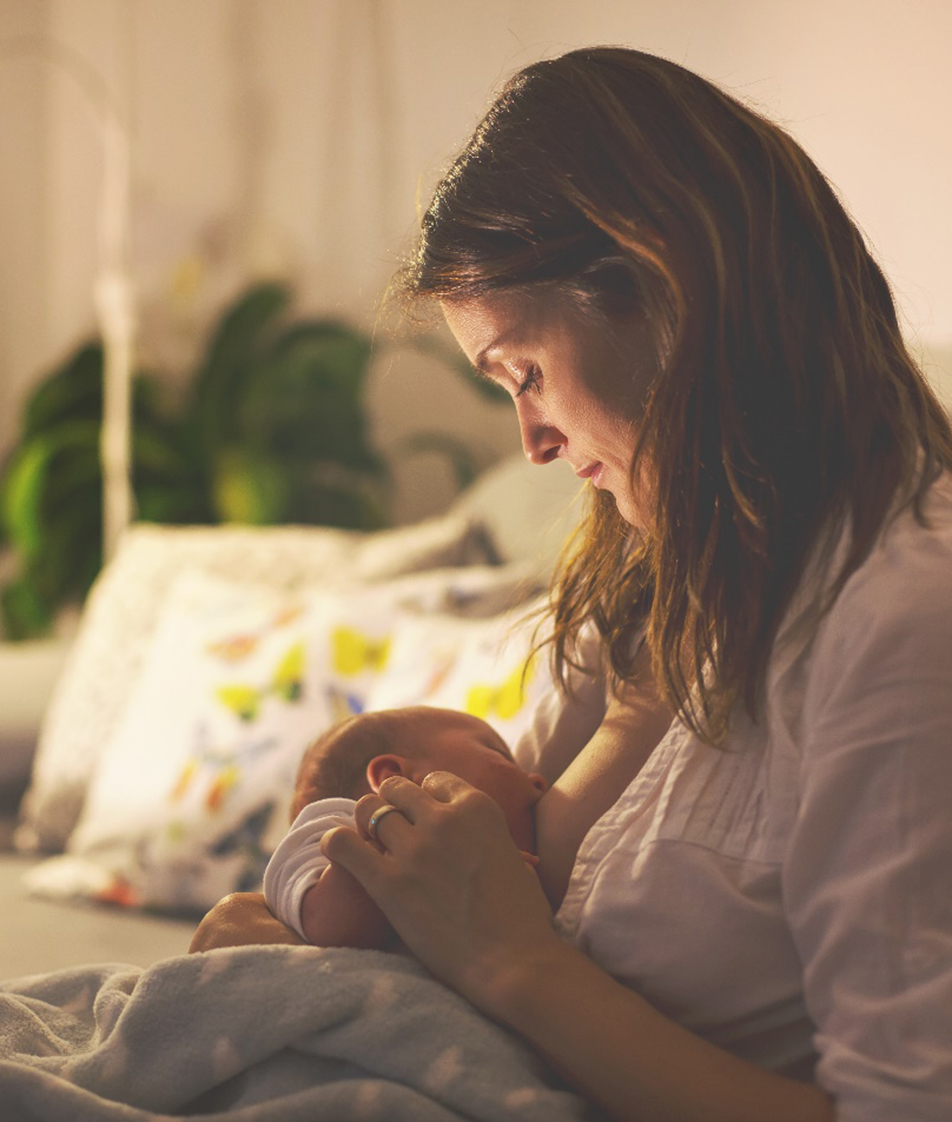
(374, 824)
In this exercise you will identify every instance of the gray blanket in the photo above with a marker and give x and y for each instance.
(249, 1034)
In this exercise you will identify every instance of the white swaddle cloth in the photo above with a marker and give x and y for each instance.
(298, 862)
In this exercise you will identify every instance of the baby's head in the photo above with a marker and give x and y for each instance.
(356, 756)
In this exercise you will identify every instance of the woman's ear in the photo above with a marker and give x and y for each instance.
(382, 767)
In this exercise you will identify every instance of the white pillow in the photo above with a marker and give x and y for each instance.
(477, 666)
(193, 788)
(122, 610)
(225, 702)
(527, 511)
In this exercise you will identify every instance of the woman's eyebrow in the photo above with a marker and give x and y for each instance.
(482, 363)
(512, 337)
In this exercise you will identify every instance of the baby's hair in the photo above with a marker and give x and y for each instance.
(335, 763)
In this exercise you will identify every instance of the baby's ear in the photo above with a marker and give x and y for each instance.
(382, 767)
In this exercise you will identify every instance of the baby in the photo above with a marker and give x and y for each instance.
(323, 902)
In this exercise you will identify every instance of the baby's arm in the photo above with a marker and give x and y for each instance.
(337, 912)
(324, 904)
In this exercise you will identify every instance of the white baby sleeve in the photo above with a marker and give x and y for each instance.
(298, 863)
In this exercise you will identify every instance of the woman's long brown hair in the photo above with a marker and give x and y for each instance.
(787, 407)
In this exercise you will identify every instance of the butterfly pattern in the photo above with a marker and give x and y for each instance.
(239, 646)
(287, 684)
(218, 768)
(503, 700)
(353, 653)
(342, 703)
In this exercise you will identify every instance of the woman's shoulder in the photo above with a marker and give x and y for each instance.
(894, 614)
(908, 573)
(922, 535)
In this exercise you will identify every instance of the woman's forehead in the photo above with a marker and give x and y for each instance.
(511, 318)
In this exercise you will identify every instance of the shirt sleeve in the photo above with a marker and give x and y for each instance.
(298, 862)
(867, 874)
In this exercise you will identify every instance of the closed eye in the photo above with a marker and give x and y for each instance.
(533, 378)
(500, 751)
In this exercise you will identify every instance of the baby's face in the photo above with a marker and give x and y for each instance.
(473, 750)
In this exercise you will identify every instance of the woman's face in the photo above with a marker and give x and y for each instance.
(578, 382)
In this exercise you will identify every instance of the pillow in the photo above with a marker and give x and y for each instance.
(192, 791)
(222, 708)
(479, 667)
(527, 512)
(122, 610)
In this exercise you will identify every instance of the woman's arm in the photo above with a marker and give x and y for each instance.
(452, 884)
(866, 879)
(632, 1061)
(593, 782)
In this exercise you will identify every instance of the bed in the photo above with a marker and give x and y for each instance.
(204, 662)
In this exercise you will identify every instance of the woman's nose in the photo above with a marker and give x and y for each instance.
(540, 440)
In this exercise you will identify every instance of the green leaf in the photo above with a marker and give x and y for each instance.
(72, 553)
(73, 391)
(172, 502)
(22, 498)
(25, 613)
(241, 325)
(217, 387)
(156, 451)
(307, 393)
(273, 428)
(43, 478)
(249, 489)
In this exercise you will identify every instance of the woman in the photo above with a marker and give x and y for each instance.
(758, 923)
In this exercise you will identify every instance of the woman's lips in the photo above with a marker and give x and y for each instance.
(594, 472)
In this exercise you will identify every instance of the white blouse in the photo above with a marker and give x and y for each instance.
(789, 897)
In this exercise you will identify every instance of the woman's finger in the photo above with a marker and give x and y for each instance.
(444, 786)
(375, 814)
(404, 794)
(371, 817)
(345, 847)
(376, 819)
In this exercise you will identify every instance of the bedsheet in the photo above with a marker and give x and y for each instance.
(263, 1034)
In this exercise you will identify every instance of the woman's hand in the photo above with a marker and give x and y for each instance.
(450, 879)
(452, 883)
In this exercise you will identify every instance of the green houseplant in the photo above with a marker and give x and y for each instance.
(271, 429)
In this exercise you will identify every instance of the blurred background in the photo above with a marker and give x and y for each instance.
(290, 143)
(222, 189)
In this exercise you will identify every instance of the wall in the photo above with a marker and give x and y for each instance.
(23, 235)
(298, 136)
